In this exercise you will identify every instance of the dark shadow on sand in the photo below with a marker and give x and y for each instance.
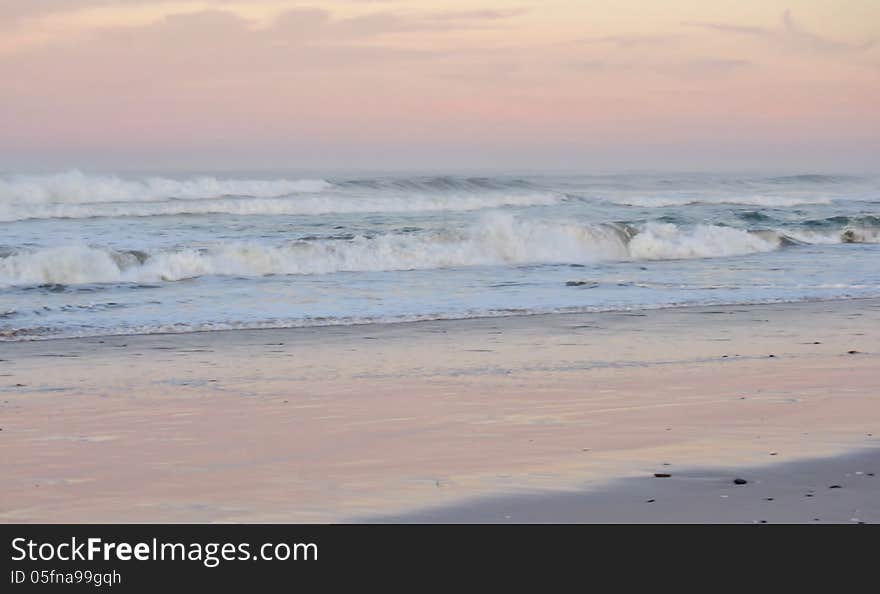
(841, 489)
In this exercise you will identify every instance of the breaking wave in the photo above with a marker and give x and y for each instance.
(318, 204)
(756, 200)
(74, 195)
(75, 187)
(496, 239)
(809, 178)
(443, 183)
(850, 234)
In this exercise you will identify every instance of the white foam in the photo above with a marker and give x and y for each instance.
(76, 195)
(62, 265)
(755, 200)
(38, 334)
(298, 205)
(75, 187)
(667, 242)
(497, 239)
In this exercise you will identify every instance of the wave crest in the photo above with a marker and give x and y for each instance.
(75, 187)
(74, 195)
(756, 200)
(497, 239)
(300, 205)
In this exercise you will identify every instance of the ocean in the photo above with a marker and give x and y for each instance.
(91, 255)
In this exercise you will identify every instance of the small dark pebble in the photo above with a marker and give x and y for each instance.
(768, 499)
(870, 474)
(808, 495)
(763, 521)
(816, 520)
(662, 475)
(650, 501)
(835, 487)
(771, 355)
(774, 453)
(740, 481)
(852, 352)
(817, 342)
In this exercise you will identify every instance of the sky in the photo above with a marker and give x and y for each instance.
(587, 85)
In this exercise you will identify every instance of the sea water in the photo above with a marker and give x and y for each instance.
(85, 255)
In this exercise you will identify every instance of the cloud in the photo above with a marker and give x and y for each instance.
(597, 66)
(217, 45)
(632, 41)
(727, 28)
(380, 23)
(479, 15)
(819, 43)
(13, 11)
(790, 34)
(713, 66)
(36, 23)
(699, 68)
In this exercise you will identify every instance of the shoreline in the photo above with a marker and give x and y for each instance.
(337, 423)
(574, 311)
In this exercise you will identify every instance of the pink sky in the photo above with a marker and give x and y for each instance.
(574, 84)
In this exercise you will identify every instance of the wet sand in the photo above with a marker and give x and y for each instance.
(351, 423)
(840, 490)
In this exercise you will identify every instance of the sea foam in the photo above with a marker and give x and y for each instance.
(496, 239)
(74, 195)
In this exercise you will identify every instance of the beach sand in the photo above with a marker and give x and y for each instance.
(839, 489)
(447, 420)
